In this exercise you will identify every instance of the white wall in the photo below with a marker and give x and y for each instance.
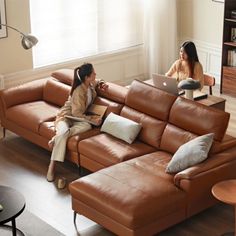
(16, 64)
(13, 56)
(202, 22)
(198, 20)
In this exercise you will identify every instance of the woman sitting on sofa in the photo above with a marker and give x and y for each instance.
(188, 65)
(82, 94)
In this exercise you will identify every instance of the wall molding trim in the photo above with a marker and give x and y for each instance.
(121, 66)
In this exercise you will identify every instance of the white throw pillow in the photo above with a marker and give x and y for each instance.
(190, 153)
(121, 127)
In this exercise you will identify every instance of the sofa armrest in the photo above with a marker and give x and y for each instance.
(223, 159)
(226, 143)
(114, 92)
(31, 91)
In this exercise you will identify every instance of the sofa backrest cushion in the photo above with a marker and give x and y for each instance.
(198, 119)
(112, 106)
(114, 92)
(152, 128)
(174, 137)
(65, 76)
(56, 92)
(149, 100)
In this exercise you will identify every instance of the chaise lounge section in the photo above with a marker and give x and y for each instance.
(131, 193)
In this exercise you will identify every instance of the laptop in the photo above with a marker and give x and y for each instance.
(167, 84)
(170, 85)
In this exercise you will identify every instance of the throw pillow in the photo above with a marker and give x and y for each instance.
(190, 153)
(120, 127)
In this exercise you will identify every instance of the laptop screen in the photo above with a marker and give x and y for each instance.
(167, 84)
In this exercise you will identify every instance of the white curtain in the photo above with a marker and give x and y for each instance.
(71, 29)
(160, 35)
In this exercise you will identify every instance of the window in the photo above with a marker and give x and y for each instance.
(78, 28)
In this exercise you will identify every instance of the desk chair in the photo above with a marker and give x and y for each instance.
(209, 81)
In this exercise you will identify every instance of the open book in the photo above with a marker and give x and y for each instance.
(94, 110)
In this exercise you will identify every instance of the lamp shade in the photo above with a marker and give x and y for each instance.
(28, 41)
(189, 84)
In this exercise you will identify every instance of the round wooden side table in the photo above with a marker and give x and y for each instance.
(225, 191)
(13, 204)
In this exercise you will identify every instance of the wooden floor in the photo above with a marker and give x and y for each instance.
(23, 166)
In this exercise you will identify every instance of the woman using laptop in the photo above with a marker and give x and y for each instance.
(188, 65)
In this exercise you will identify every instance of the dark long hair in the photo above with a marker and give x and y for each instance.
(80, 74)
(191, 51)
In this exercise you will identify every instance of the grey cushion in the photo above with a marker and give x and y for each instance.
(121, 127)
(190, 153)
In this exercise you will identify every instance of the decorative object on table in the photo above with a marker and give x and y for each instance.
(233, 34)
(189, 85)
(3, 31)
(28, 41)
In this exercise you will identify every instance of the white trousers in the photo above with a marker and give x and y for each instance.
(63, 132)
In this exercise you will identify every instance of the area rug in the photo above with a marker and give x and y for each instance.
(31, 225)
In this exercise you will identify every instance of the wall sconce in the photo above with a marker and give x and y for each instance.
(28, 41)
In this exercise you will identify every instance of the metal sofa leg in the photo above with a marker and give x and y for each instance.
(75, 214)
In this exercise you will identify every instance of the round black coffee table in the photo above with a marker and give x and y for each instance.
(13, 204)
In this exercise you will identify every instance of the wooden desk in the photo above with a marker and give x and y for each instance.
(211, 101)
(225, 191)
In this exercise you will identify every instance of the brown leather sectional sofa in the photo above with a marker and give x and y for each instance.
(130, 193)
(135, 196)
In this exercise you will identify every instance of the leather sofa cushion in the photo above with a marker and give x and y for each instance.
(108, 150)
(198, 119)
(111, 105)
(31, 115)
(159, 102)
(55, 92)
(47, 129)
(174, 137)
(226, 143)
(114, 92)
(133, 193)
(65, 76)
(152, 129)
